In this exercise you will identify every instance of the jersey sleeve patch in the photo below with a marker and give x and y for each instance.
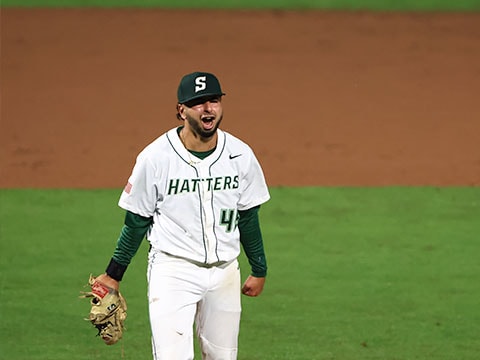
(128, 188)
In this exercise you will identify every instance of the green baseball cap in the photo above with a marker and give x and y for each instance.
(197, 85)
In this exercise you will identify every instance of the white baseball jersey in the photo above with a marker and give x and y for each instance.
(194, 203)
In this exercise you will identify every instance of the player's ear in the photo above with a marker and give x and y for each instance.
(181, 112)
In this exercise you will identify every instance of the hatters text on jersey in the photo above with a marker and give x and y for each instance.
(178, 186)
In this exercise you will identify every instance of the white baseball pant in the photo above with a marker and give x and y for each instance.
(182, 293)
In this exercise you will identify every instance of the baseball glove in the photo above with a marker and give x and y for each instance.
(108, 311)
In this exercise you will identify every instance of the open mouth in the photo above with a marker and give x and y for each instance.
(208, 122)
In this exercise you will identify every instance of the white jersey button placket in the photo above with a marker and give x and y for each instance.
(206, 194)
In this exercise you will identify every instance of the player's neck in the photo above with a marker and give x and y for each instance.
(194, 142)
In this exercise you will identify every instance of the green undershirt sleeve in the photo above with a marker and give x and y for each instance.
(131, 236)
(252, 241)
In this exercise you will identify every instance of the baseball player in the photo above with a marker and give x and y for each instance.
(194, 193)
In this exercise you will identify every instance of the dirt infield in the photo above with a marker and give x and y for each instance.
(324, 98)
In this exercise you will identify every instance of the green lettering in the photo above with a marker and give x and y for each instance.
(218, 183)
(228, 181)
(235, 182)
(195, 184)
(209, 182)
(173, 186)
(185, 186)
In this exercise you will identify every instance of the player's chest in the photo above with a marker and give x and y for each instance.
(202, 178)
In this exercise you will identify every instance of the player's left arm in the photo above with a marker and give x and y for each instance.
(252, 243)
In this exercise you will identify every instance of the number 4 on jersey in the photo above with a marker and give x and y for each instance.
(229, 219)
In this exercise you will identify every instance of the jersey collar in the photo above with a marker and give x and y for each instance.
(191, 159)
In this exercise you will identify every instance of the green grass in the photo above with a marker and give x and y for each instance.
(354, 273)
(463, 5)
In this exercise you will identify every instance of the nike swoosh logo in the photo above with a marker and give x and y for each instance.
(234, 156)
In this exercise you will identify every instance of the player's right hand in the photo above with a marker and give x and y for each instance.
(108, 281)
